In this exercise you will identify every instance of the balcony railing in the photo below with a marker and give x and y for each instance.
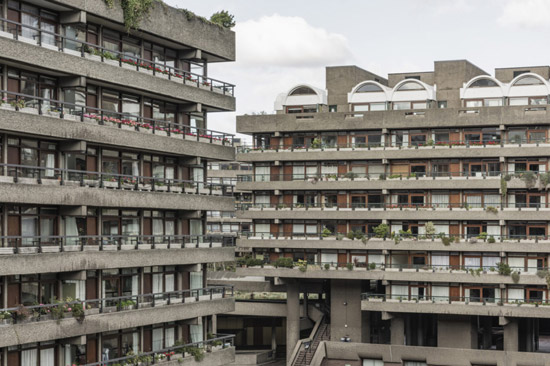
(58, 42)
(21, 173)
(74, 243)
(217, 342)
(81, 308)
(424, 206)
(313, 265)
(482, 300)
(392, 145)
(70, 111)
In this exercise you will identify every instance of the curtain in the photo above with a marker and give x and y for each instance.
(442, 228)
(494, 231)
(262, 200)
(68, 358)
(262, 173)
(29, 357)
(472, 263)
(196, 280)
(532, 266)
(376, 258)
(440, 293)
(375, 170)
(414, 363)
(298, 228)
(440, 261)
(135, 342)
(71, 229)
(516, 263)
(195, 227)
(28, 226)
(196, 333)
(74, 288)
(158, 227)
(396, 228)
(46, 227)
(47, 357)
(198, 176)
(489, 262)
(170, 227)
(516, 294)
(329, 258)
(492, 200)
(170, 337)
(50, 163)
(260, 229)
(169, 278)
(371, 362)
(329, 169)
(440, 200)
(157, 283)
(135, 285)
(398, 291)
(158, 338)
(473, 201)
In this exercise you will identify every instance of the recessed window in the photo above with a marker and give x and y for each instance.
(369, 87)
(416, 77)
(411, 86)
(303, 90)
(483, 83)
(529, 80)
(518, 73)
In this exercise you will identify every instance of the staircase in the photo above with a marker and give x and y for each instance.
(305, 355)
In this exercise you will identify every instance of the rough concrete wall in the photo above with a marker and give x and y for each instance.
(345, 305)
(450, 77)
(341, 79)
(167, 22)
(51, 127)
(425, 76)
(507, 74)
(69, 327)
(456, 332)
(124, 78)
(78, 261)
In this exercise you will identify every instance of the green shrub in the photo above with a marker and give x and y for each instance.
(491, 240)
(349, 266)
(251, 262)
(284, 263)
(515, 276)
(372, 265)
(326, 232)
(327, 266)
(350, 235)
(430, 228)
(503, 269)
(492, 209)
(446, 240)
(382, 230)
(482, 236)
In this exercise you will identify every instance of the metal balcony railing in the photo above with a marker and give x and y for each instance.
(485, 300)
(112, 180)
(55, 108)
(61, 43)
(60, 309)
(73, 243)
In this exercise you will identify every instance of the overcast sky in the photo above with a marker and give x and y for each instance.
(285, 42)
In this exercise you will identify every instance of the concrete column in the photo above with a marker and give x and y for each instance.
(5, 144)
(5, 294)
(292, 318)
(214, 329)
(487, 331)
(273, 338)
(398, 330)
(511, 335)
(365, 327)
(345, 303)
(456, 332)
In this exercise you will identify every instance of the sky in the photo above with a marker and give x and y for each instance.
(283, 43)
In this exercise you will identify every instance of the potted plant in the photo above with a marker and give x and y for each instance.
(5, 317)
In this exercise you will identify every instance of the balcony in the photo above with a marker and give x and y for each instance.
(51, 254)
(456, 305)
(426, 211)
(459, 243)
(45, 322)
(377, 120)
(287, 268)
(57, 42)
(216, 351)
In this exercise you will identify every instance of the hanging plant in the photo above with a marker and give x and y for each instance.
(134, 11)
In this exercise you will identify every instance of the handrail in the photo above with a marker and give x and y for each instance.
(109, 242)
(391, 145)
(169, 352)
(121, 57)
(402, 235)
(299, 344)
(138, 123)
(317, 177)
(392, 206)
(103, 178)
(451, 299)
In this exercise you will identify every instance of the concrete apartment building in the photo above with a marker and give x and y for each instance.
(404, 219)
(103, 186)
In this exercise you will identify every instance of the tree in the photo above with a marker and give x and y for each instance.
(223, 18)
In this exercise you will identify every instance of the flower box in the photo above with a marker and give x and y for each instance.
(145, 130)
(28, 40)
(71, 248)
(109, 247)
(127, 247)
(146, 70)
(6, 179)
(187, 190)
(161, 188)
(27, 250)
(29, 110)
(129, 66)
(52, 114)
(7, 106)
(89, 56)
(217, 89)
(6, 321)
(176, 189)
(190, 82)
(50, 46)
(191, 137)
(144, 246)
(161, 246)
(107, 184)
(162, 75)
(50, 249)
(6, 34)
(70, 117)
(175, 246)
(205, 87)
(127, 127)
(73, 52)
(111, 62)
(161, 133)
(92, 311)
(91, 248)
(218, 192)
(204, 191)
(4, 251)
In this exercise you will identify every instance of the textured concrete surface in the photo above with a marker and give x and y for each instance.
(92, 260)
(56, 128)
(47, 330)
(174, 26)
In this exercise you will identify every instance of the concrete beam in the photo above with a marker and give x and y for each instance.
(293, 318)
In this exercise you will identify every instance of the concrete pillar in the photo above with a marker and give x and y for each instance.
(273, 338)
(398, 330)
(5, 294)
(511, 335)
(292, 318)
(345, 304)
(214, 329)
(456, 332)
(487, 332)
(365, 327)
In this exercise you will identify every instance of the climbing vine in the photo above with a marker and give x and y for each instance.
(134, 11)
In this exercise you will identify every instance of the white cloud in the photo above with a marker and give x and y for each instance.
(288, 42)
(526, 13)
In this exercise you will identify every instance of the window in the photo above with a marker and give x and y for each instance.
(303, 90)
(333, 108)
(368, 88)
(442, 104)
(519, 72)
(411, 86)
(529, 80)
(483, 83)
(31, 16)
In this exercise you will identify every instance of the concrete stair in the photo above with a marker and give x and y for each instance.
(305, 356)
